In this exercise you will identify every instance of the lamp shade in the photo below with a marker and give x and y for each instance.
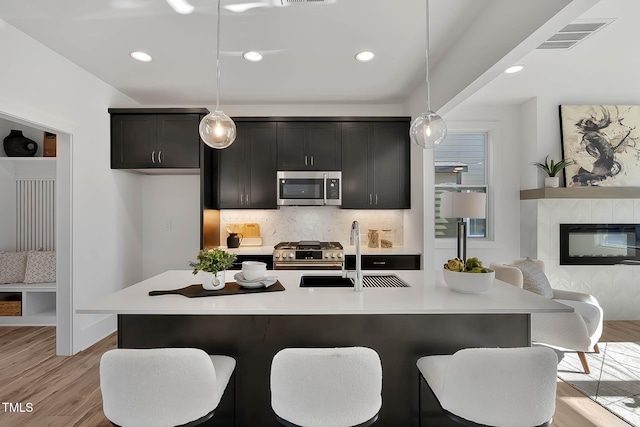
(463, 205)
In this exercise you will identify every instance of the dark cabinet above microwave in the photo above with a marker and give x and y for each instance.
(309, 146)
(155, 138)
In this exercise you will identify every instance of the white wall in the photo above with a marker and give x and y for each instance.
(504, 172)
(171, 222)
(39, 86)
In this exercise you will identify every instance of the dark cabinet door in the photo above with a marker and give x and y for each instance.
(150, 138)
(309, 146)
(247, 168)
(178, 144)
(133, 139)
(375, 165)
(260, 165)
(391, 171)
(324, 141)
(357, 140)
(291, 146)
(231, 172)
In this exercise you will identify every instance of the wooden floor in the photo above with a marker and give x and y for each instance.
(65, 391)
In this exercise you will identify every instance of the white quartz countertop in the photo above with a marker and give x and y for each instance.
(427, 294)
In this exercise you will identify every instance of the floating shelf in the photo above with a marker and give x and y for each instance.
(581, 193)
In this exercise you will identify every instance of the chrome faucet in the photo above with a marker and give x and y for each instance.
(355, 240)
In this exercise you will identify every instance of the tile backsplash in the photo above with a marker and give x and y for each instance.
(617, 287)
(326, 223)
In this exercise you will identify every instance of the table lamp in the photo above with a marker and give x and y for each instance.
(462, 205)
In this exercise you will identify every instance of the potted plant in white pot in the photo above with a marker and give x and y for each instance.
(552, 169)
(211, 267)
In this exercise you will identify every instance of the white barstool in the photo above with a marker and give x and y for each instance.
(162, 386)
(320, 387)
(494, 386)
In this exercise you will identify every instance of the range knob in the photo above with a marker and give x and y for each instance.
(276, 255)
(333, 255)
(339, 254)
(290, 255)
(326, 255)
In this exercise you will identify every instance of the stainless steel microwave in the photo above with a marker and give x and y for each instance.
(312, 188)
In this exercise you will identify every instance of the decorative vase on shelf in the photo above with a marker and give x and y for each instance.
(17, 145)
(552, 182)
(211, 281)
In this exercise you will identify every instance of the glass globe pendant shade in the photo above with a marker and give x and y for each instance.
(428, 130)
(217, 130)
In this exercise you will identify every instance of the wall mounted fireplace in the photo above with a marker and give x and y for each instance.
(599, 244)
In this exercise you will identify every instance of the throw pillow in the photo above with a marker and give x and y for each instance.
(41, 267)
(12, 266)
(534, 279)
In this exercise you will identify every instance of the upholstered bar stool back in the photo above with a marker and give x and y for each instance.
(163, 386)
(494, 386)
(322, 387)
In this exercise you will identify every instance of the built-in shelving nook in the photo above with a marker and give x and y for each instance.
(27, 223)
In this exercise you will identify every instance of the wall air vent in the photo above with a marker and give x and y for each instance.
(574, 33)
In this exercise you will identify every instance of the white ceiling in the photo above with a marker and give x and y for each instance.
(309, 48)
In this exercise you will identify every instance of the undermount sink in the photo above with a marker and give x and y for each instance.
(369, 281)
(325, 282)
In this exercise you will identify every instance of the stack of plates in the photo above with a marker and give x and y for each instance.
(265, 281)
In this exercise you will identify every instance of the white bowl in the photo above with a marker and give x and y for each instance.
(468, 283)
(252, 270)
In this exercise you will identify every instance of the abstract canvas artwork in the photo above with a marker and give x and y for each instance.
(604, 141)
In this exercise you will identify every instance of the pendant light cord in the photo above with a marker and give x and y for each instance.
(427, 60)
(218, 61)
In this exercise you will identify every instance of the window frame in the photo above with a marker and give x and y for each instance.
(491, 130)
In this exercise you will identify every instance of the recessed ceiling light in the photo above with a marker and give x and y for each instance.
(364, 56)
(252, 56)
(141, 56)
(514, 69)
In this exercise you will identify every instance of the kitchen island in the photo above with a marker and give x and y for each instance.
(401, 324)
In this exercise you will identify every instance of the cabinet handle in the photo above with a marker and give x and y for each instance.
(241, 198)
(376, 199)
(159, 156)
(153, 156)
(311, 160)
(370, 199)
(305, 160)
(379, 262)
(247, 199)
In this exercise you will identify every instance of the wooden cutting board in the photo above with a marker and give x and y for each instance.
(252, 229)
(230, 288)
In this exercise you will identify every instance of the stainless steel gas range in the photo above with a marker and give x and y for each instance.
(308, 255)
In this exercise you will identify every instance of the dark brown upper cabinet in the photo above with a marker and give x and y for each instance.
(247, 168)
(376, 165)
(309, 146)
(155, 138)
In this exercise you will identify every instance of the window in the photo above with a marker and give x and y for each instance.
(460, 165)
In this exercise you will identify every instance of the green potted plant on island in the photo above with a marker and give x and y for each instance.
(552, 169)
(458, 275)
(211, 267)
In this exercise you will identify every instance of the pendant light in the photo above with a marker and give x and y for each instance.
(217, 130)
(428, 129)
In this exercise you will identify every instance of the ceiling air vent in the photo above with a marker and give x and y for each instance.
(574, 33)
(287, 2)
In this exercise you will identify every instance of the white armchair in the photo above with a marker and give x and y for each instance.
(578, 331)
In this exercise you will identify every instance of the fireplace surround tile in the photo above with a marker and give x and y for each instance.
(581, 211)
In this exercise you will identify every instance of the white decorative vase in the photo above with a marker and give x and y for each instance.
(212, 282)
(552, 181)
